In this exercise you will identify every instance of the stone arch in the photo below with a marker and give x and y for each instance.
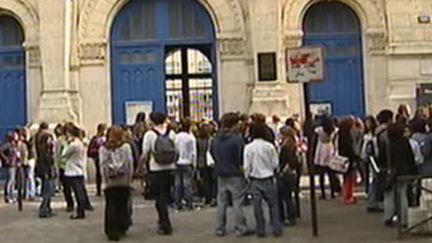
(98, 15)
(370, 13)
(26, 15)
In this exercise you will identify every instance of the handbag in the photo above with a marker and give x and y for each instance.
(339, 164)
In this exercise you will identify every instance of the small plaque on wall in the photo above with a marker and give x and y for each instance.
(267, 66)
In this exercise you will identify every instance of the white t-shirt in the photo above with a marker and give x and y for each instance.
(148, 145)
(186, 145)
(75, 156)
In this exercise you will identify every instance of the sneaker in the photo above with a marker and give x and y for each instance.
(277, 234)
(389, 223)
(220, 233)
(163, 232)
(89, 208)
(113, 238)
(374, 210)
(239, 233)
(77, 217)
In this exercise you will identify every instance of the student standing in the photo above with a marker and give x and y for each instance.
(227, 150)
(260, 163)
(160, 152)
(116, 161)
(74, 156)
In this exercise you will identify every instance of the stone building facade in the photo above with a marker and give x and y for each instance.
(68, 52)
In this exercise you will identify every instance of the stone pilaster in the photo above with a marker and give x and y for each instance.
(55, 101)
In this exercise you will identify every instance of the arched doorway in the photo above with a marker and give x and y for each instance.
(12, 75)
(160, 50)
(336, 27)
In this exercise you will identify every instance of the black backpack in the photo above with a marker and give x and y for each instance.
(165, 152)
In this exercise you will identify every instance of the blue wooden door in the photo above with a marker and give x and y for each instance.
(138, 75)
(336, 28)
(142, 33)
(13, 111)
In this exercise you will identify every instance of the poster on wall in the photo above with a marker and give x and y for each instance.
(304, 64)
(324, 108)
(424, 97)
(135, 107)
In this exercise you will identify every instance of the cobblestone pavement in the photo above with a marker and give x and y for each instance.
(339, 224)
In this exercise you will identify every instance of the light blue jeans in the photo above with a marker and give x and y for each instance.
(234, 187)
(48, 191)
(390, 203)
(10, 184)
(31, 183)
(183, 185)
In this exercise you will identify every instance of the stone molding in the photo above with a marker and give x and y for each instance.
(231, 46)
(34, 56)
(27, 15)
(370, 12)
(293, 39)
(377, 41)
(92, 53)
(97, 15)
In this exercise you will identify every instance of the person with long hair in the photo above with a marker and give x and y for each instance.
(289, 167)
(403, 114)
(60, 144)
(346, 148)
(10, 155)
(205, 168)
(93, 152)
(369, 154)
(116, 161)
(325, 149)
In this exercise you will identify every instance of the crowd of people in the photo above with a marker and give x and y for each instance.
(241, 159)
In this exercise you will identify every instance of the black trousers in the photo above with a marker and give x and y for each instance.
(118, 211)
(335, 184)
(76, 183)
(67, 190)
(287, 187)
(209, 188)
(98, 177)
(161, 182)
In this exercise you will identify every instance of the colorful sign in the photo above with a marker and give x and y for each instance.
(305, 64)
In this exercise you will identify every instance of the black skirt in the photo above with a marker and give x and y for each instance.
(118, 210)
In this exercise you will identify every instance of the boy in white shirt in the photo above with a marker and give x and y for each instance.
(260, 163)
(186, 144)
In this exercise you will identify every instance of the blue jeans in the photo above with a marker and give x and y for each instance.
(10, 184)
(48, 191)
(373, 196)
(31, 183)
(390, 201)
(265, 189)
(234, 186)
(183, 185)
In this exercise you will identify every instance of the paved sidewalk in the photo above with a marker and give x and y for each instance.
(338, 223)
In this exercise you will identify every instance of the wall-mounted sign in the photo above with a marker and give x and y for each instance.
(267, 67)
(135, 107)
(323, 108)
(305, 64)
